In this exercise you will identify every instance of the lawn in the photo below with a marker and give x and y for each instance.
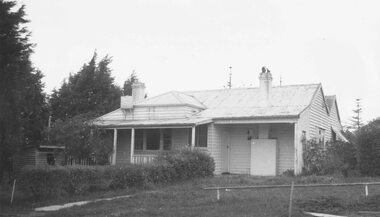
(188, 199)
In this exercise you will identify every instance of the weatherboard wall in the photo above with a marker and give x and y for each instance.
(318, 117)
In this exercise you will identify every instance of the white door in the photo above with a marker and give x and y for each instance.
(263, 157)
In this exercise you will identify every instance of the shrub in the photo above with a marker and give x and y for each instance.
(128, 177)
(168, 168)
(188, 163)
(369, 148)
(43, 182)
(335, 157)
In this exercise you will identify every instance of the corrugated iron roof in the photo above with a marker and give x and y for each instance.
(244, 102)
(286, 101)
(171, 98)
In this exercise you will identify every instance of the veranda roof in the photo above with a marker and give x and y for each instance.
(183, 122)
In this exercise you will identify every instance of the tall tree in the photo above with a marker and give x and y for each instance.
(357, 119)
(91, 90)
(21, 98)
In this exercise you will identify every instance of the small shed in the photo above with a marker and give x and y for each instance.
(42, 155)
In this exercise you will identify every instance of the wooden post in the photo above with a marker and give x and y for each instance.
(217, 194)
(366, 190)
(132, 144)
(114, 146)
(144, 139)
(291, 199)
(161, 139)
(296, 150)
(193, 137)
(13, 190)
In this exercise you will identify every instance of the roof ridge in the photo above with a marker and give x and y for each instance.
(177, 96)
(246, 88)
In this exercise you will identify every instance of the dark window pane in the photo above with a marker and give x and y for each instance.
(153, 139)
(167, 134)
(50, 159)
(139, 139)
(201, 136)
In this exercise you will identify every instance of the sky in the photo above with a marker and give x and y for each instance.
(190, 44)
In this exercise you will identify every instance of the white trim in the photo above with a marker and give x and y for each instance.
(146, 127)
(254, 121)
(114, 146)
(132, 144)
(193, 137)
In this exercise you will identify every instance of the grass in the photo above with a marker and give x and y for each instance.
(188, 199)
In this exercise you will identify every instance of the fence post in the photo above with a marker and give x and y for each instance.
(291, 199)
(366, 190)
(13, 190)
(217, 194)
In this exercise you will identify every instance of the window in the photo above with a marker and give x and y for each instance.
(303, 140)
(201, 136)
(139, 135)
(321, 138)
(167, 138)
(50, 159)
(153, 139)
(333, 136)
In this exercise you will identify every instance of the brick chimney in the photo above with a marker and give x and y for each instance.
(138, 92)
(265, 87)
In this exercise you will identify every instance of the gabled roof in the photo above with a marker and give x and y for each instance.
(330, 100)
(288, 100)
(172, 98)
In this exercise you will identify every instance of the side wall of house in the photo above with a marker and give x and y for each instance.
(319, 117)
(214, 146)
(284, 134)
(334, 118)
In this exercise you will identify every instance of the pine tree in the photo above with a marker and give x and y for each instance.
(127, 88)
(22, 101)
(91, 90)
(357, 119)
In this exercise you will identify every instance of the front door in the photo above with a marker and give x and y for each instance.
(263, 157)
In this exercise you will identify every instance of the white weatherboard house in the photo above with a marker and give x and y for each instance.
(255, 131)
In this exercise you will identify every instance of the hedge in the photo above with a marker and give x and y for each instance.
(169, 167)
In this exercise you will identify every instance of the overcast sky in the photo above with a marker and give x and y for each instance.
(189, 45)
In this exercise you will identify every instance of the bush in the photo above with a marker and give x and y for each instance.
(43, 182)
(369, 148)
(188, 163)
(335, 157)
(168, 168)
